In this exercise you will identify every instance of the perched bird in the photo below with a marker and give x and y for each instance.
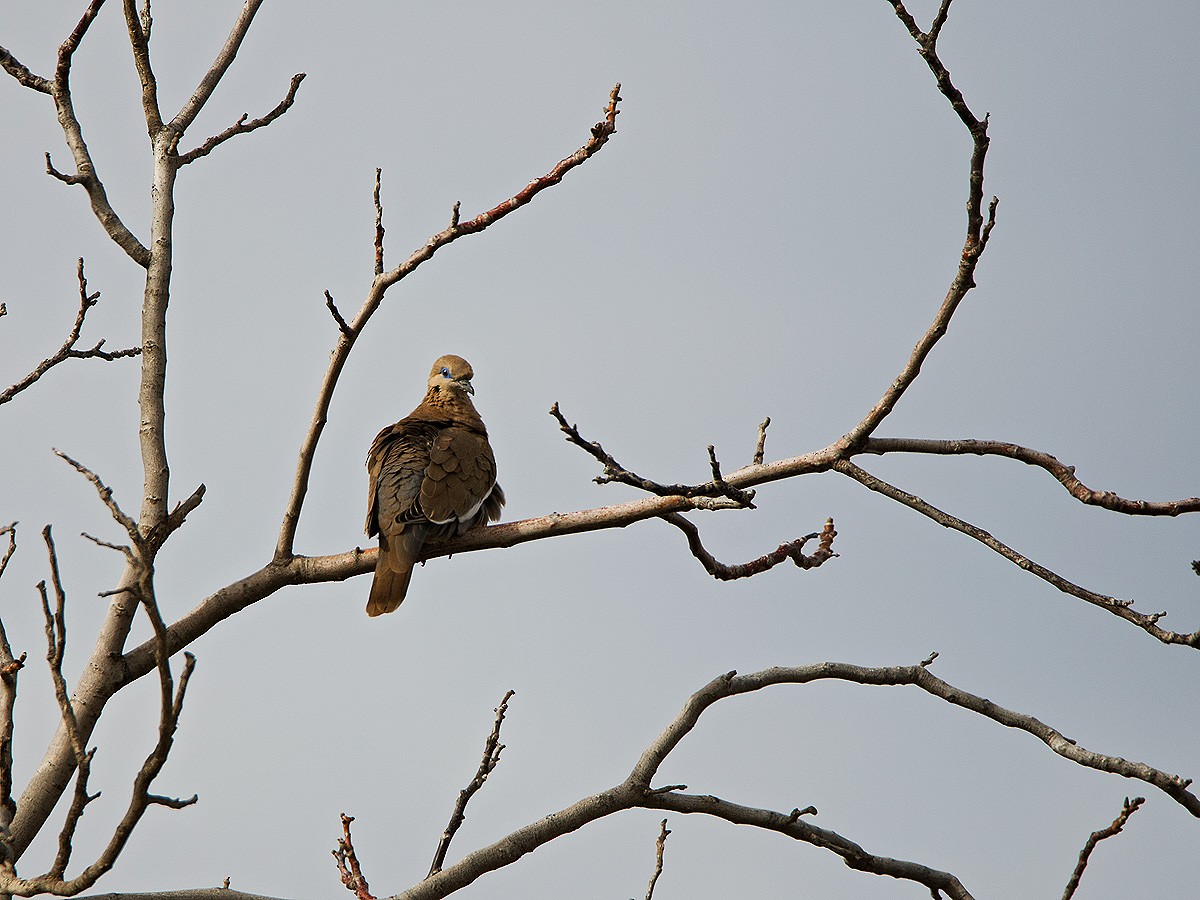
(433, 476)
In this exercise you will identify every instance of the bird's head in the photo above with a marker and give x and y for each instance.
(451, 373)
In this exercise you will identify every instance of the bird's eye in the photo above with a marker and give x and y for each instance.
(445, 372)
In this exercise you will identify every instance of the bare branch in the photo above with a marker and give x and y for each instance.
(106, 496)
(761, 449)
(10, 667)
(977, 235)
(21, 73)
(491, 758)
(86, 170)
(217, 70)
(659, 846)
(1122, 608)
(601, 132)
(67, 350)
(139, 40)
(242, 126)
(793, 551)
(347, 863)
(615, 472)
(1063, 473)
(337, 316)
(1127, 810)
(379, 224)
(789, 824)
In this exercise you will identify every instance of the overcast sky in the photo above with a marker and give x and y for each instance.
(772, 227)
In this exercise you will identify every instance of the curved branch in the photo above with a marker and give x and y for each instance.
(1064, 473)
(977, 235)
(1122, 608)
(601, 132)
(794, 550)
(793, 826)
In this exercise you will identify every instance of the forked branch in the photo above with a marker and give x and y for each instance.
(68, 349)
(601, 132)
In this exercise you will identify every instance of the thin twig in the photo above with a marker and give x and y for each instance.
(761, 448)
(337, 316)
(491, 757)
(106, 496)
(347, 863)
(793, 550)
(244, 125)
(1127, 810)
(659, 846)
(67, 350)
(615, 472)
(378, 224)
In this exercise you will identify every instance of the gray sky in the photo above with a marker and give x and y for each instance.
(772, 227)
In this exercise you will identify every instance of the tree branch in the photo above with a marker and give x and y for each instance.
(1122, 608)
(242, 126)
(67, 350)
(139, 41)
(187, 114)
(1063, 473)
(491, 758)
(615, 472)
(793, 551)
(977, 230)
(659, 847)
(791, 825)
(1129, 808)
(347, 863)
(601, 132)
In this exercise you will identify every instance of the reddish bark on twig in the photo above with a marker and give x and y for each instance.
(347, 863)
(1127, 810)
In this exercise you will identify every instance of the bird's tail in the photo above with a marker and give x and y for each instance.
(393, 571)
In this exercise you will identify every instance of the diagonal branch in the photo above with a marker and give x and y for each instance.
(242, 126)
(615, 472)
(187, 114)
(1127, 810)
(601, 132)
(21, 73)
(793, 826)
(492, 749)
(1121, 608)
(1064, 473)
(67, 350)
(73, 132)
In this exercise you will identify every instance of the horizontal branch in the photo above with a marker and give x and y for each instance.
(1063, 473)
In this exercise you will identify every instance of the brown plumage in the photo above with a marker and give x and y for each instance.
(433, 476)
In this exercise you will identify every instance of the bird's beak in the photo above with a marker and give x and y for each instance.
(465, 384)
